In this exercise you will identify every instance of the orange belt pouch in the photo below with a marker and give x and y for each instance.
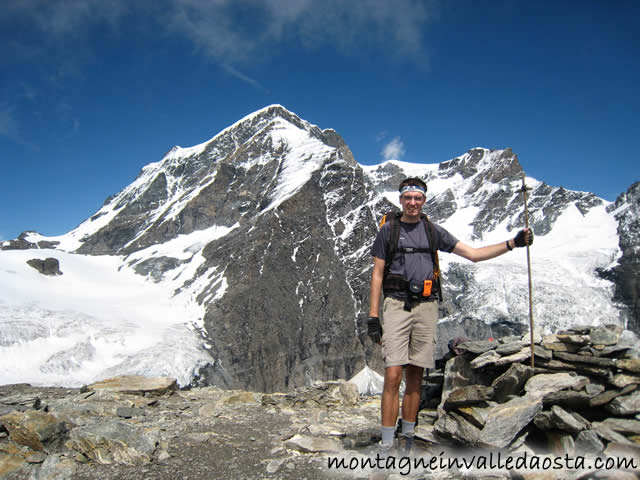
(426, 291)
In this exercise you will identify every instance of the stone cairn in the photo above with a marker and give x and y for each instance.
(581, 398)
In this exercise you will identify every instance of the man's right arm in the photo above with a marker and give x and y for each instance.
(376, 286)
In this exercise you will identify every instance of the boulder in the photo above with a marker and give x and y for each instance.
(511, 382)
(505, 421)
(607, 335)
(454, 427)
(10, 463)
(458, 372)
(31, 428)
(475, 414)
(136, 384)
(114, 442)
(588, 443)
(49, 266)
(559, 419)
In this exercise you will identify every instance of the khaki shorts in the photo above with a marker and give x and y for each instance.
(409, 337)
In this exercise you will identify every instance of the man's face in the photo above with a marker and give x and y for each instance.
(412, 203)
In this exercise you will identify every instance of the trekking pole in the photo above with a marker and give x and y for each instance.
(526, 222)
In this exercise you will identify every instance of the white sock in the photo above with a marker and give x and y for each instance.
(408, 428)
(387, 435)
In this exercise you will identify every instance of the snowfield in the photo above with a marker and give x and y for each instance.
(94, 321)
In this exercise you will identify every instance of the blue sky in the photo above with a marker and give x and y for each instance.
(91, 91)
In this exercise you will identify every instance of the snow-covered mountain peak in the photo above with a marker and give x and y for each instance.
(267, 156)
(259, 240)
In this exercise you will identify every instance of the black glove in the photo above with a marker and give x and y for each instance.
(374, 329)
(519, 240)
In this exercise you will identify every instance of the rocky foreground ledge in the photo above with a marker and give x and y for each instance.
(579, 404)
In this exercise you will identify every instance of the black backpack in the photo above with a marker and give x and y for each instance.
(397, 282)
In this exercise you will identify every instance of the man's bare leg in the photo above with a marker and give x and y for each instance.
(412, 393)
(391, 395)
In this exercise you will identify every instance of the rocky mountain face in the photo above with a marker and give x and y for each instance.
(267, 228)
(626, 274)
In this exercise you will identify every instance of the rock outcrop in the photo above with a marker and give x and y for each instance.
(626, 273)
(48, 266)
(577, 406)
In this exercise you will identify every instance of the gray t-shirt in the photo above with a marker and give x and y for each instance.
(415, 267)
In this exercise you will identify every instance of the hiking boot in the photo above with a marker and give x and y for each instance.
(405, 444)
(385, 451)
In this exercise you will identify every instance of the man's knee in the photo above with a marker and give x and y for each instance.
(392, 378)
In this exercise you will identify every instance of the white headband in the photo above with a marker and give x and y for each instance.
(413, 188)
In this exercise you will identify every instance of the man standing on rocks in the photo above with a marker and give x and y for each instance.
(410, 309)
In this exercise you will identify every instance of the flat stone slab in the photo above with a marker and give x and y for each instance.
(543, 384)
(608, 395)
(505, 421)
(608, 434)
(114, 442)
(590, 360)
(558, 346)
(309, 444)
(574, 339)
(623, 425)
(453, 426)
(476, 415)
(479, 346)
(559, 419)
(510, 348)
(571, 399)
(629, 364)
(511, 382)
(136, 384)
(485, 359)
(607, 335)
(466, 396)
(625, 404)
(621, 380)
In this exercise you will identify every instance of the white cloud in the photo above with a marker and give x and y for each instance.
(236, 73)
(395, 28)
(394, 150)
(237, 33)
